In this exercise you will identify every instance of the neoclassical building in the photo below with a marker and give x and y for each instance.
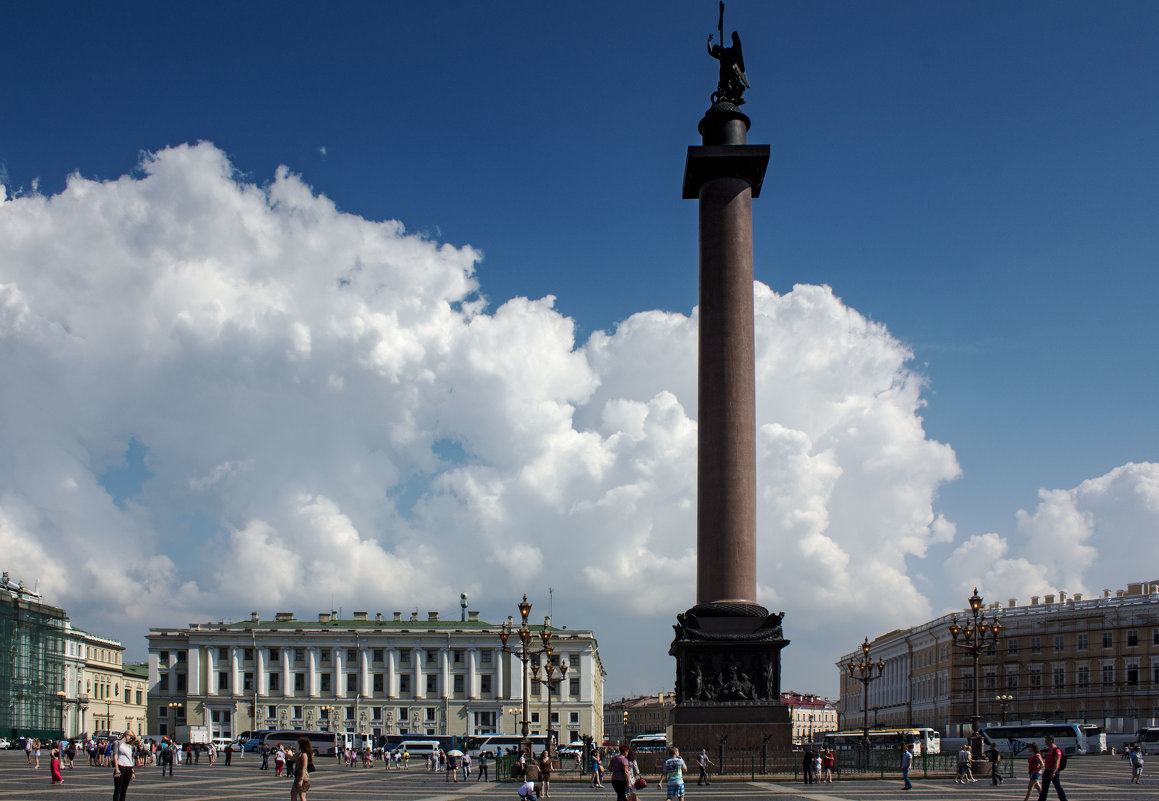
(364, 675)
(1060, 657)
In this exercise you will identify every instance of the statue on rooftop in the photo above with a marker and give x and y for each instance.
(732, 83)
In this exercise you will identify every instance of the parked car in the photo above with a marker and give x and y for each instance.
(4, 743)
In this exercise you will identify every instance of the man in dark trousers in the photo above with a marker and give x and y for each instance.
(994, 758)
(807, 765)
(1052, 762)
(703, 762)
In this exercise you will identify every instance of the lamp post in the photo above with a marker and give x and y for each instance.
(1004, 701)
(862, 670)
(523, 653)
(514, 718)
(61, 694)
(972, 638)
(552, 683)
(328, 712)
(174, 706)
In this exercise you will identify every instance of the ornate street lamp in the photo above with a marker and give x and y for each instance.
(862, 670)
(976, 634)
(327, 713)
(1005, 701)
(523, 653)
(61, 694)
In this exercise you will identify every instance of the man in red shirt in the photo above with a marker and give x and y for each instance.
(1051, 758)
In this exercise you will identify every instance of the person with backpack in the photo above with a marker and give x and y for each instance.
(1137, 765)
(1054, 762)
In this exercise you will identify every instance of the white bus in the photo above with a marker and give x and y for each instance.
(650, 743)
(324, 743)
(1096, 738)
(1014, 739)
(925, 740)
(501, 743)
(1148, 740)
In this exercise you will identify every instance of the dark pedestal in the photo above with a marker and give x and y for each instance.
(728, 679)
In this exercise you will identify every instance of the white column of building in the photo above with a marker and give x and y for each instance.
(497, 663)
(287, 684)
(472, 673)
(312, 672)
(391, 673)
(364, 684)
(193, 665)
(211, 671)
(234, 672)
(586, 669)
(339, 672)
(445, 678)
(260, 668)
(420, 688)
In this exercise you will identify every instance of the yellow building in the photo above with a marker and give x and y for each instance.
(1060, 657)
(113, 694)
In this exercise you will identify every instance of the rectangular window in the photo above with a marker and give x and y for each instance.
(1036, 680)
(1133, 675)
(404, 685)
(1083, 641)
(1012, 645)
(129, 700)
(351, 682)
(573, 718)
(1083, 676)
(432, 657)
(180, 656)
(1155, 672)
(430, 715)
(1035, 645)
(163, 657)
(535, 684)
(485, 684)
(1108, 639)
(432, 684)
(458, 684)
(485, 657)
(376, 713)
(223, 654)
(350, 713)
(458, 657)
(378, 685)
(378, 655)
(297, 713)
(1132, 639)
(324, 679)
(991, 681)
(1012, 681)
(1155, 636)
(274, 655)
(274, 684)
(271, 712)
(351, 655)
(1059, 678)
(249, 654)
(299, 682)
(223, 680)
(247, 682)
(180, 682)
(325, 654)
(139, 699)
(1059, 643)
(299, 654)
(404, 657)
(402, 713)
(573, 687)
(535, 718)
(1108, 675)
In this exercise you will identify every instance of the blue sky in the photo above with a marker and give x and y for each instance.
(980, 179)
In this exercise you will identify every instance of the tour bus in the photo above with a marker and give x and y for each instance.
(1148, 740)
(925, 740)
(1014, 739)
(1096, 738)
(499, 743)
(324, 743)
(650, 743)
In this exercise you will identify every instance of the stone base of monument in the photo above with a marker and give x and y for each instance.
(743, 724)
(728, 679)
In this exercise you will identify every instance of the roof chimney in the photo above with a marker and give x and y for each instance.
(254, 617)
(1078, 596)
(397, 617)
(361, 616)
(378, 617)
(1050, 599)
(1013, 602)
(1034, 600)
(472, 617)
(432, 616)
(323, 617)
(1062, 596)
(283, 616)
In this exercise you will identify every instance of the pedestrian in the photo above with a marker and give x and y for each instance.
(994, 758)
(597, 769)
(466, 767)
(1137, 766)
(228, 752)
(807, 765)
(481, 774)
(965, 758)
(1053, 762)
(673, 776)
(123, 765)
(265, 752)
(545, 766)
(452, 768)
(1034, 766)
(907, 761)
(70, 753)
(279, 762)
(303, 767)
(54, 766)
(828, 763)
(527, 790)
(618, 770)
(702, 761)
(28, 749)
(634, 777)
(36, 752)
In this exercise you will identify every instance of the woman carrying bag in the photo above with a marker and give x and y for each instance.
(303, 767)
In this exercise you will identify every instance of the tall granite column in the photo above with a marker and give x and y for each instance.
(727, 646)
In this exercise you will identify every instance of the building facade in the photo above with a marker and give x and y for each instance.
(643, 714)
(112, 694)
(1061, 659)
(33, 664)
(366, 676)
(810, 715)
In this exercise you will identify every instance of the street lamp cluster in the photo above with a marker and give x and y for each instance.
(524, 652)
(862, 670)
(975, 635)
(1004, 701)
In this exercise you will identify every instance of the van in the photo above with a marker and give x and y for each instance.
(418, 748)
